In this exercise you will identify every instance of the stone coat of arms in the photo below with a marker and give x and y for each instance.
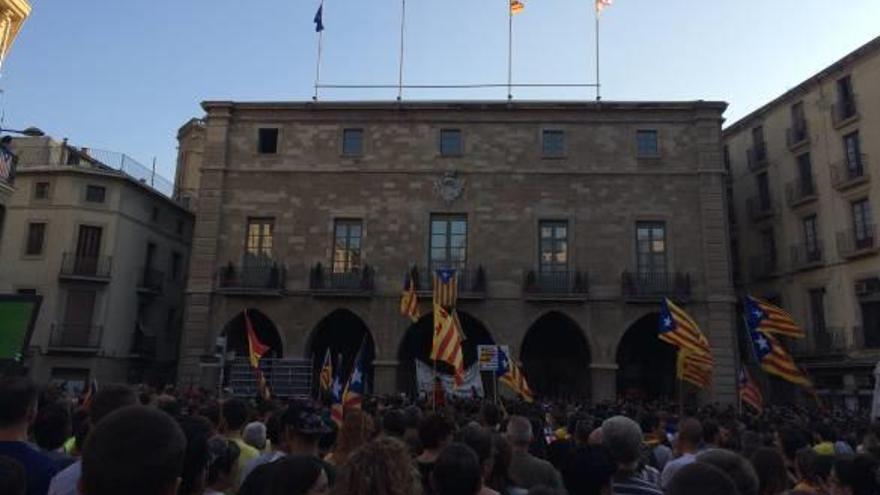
(449, 188)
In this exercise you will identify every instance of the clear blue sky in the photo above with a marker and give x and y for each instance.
(125, 74)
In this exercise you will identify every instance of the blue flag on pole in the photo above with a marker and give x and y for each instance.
(319, 19)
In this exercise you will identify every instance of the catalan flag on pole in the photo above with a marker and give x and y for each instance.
(601, 4)
(445, 287)
(774, 359)
(446, 344)
(256, 351)
(409, 300)
(749, 392)
(516, 7)
(679, 329)
(319, 18)
(695, 368)
(326, 377)
(763, 316)
(337, 412)
(511, 374)
(356, 388)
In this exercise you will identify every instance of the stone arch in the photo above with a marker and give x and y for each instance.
(417, 340)
(265, 329)
(343, 332)
(555, 354)
(645, 364)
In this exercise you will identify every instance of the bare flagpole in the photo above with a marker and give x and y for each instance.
(598, 84)
(509, 51)
(319, 26)
(402, 37)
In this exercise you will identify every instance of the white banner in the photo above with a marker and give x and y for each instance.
(472, 381)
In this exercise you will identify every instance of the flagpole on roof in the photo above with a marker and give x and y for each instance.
(319, 27)
(402, 39)
(598, 84)
(509, 51)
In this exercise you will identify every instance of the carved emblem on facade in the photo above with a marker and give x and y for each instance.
(449, 187)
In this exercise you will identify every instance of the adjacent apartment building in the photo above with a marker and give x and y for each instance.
(108, 253)
(805, 197)
(567, 223)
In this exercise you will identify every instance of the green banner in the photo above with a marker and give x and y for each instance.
(17, 317)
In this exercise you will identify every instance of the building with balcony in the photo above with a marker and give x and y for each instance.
(804, 217)
(109, 255)
(566, 222)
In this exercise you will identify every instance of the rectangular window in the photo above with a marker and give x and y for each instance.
(450, 142)
(758, 135)
(817, 310)
(353, 142)
(844, 89)
(863, 229)
(176, 263)
(797, 115)
(805, 174)
(154, 214)
(448, 241)
(267, 141)
(41, 190)
(35, 238)
(763, 186)
(726, 156)
(258, 244)
(651, 248)
(553, 142)
(553, 246)
(811, 240)
(95, 194)
(347, 235)
(647, 143)
(871, 324)
(853, 150)
(768, 244)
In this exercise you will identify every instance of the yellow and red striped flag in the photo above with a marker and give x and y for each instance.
(749, 392)
(601, 4)
(256, 351)
(695, 368)
(679, 329)
(763, 316)
(516, 7)
(445, 287)
(510, 373)
(446, 345)
(774, 359)
(326, 377)
(409, 300)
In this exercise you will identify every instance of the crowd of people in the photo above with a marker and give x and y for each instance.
(126, 440)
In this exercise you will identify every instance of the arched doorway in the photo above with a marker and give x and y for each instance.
(417, 343)
(236, 334)
(343, 332)
(556, 357)
(646, 364)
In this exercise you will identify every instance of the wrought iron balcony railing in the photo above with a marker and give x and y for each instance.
(96, 268)
(75, 336)
(856, 242)
(760, 208)
(763, 267)
(801, 191)
(323, 279)
(653, 285)
(797, 134)
(262, 277)
(848, 173)
(805, 255)
(571, 283)
(151, 280)
(757, 157)
(844, 111)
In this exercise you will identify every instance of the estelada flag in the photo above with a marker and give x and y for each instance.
(694, 368)
(511, 374)
(774, 359)
(679, 329)
(763, 316)
(326, 377)
(516, 7)
(409, 300)
(446, 344)
(749, 392)
(256, 349)
(445, 287)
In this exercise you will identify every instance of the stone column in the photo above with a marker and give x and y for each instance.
(385, 377)
(604, 381)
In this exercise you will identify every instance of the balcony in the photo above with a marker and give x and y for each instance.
(355, 282)
(829, 340)
(760, 208)
(568, 285)
(79, 268)
(471, 283)
(801, 191)
(845, 175)
(144, 346)
(844, 112)
(763, 267)
(757, 157)
(151, 282)
(75, 338)
(252, 280)
(652, 286)
(804, 256)
(797, 135)
(854, 244)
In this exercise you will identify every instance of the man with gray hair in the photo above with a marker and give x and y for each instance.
(527, 471)
(622, 439)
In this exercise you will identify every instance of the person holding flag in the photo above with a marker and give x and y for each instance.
(256, 351)
(325, 380)
(511, 374)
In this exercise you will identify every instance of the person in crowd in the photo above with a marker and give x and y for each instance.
(823, 439)
(772, 474)
(790, 440)
(18, 410)
(109, 398)
(298, 475)
(855, 475)
(658, 453)
(356, 430)
(255, 435)
(734, 465)
(435, 433)
(622, 439)
(394, 423)
(700, 478)
(590, 472)
(234, 414)
(813, 471)
(169, 404)
(277, 448)
(223, 458)
(526, 470)
(13, 480)
(499, 479)
(490, 416)
(457, 471)
(381, 467)
(688, 443)
(480, 440)
(51, 429)
(197, 431)
(711, 435)
(413, 416)
(135, 450)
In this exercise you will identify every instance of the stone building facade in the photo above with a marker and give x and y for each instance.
(568, 222)
(109, 256)
(804, 203)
